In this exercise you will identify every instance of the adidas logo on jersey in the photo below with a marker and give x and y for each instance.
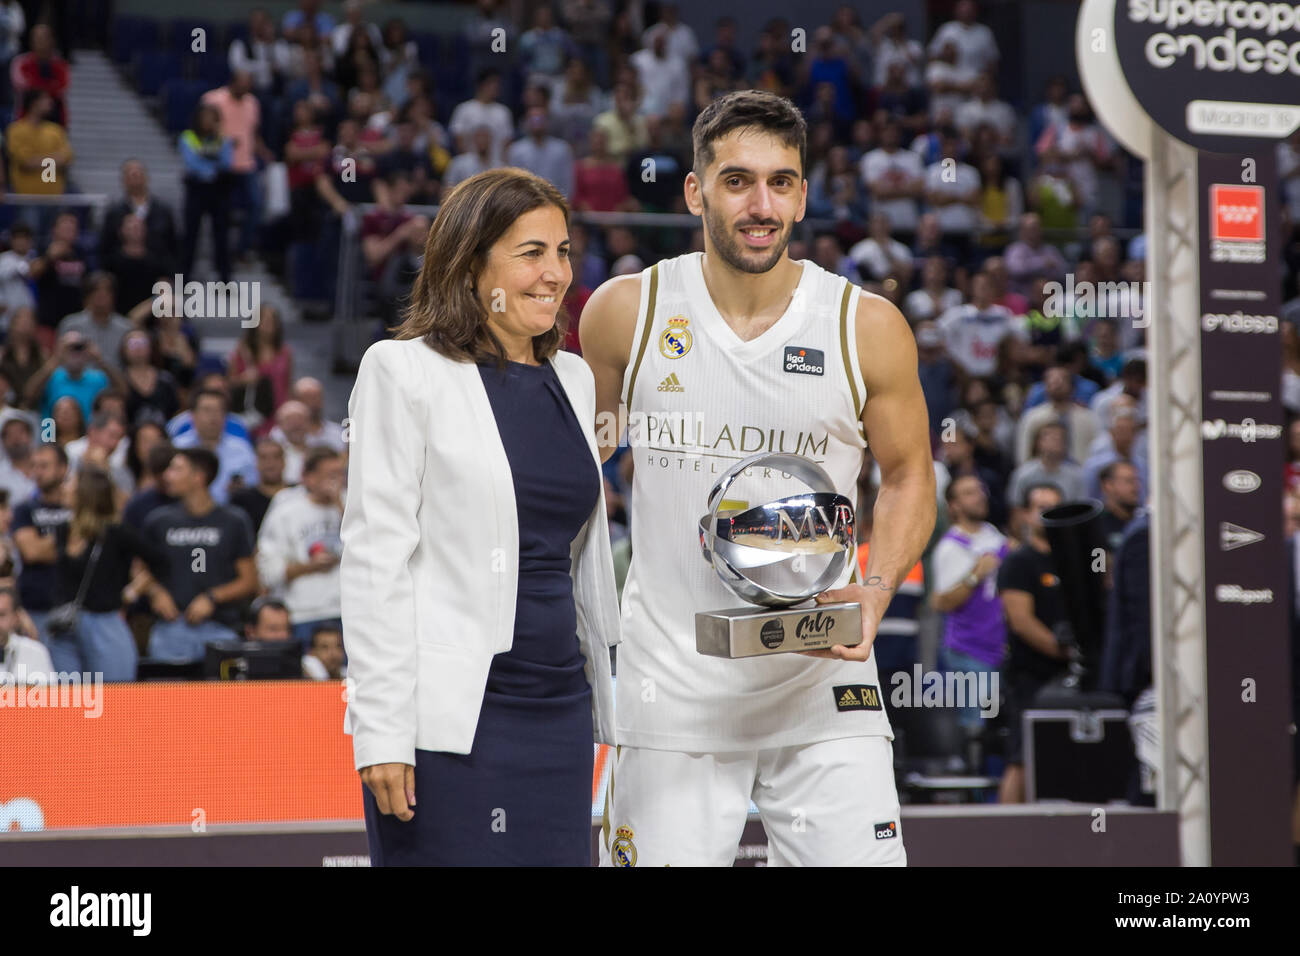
(848, 699)
(671, 384)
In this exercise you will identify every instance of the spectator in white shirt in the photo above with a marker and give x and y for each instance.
(352, 20)
(893, 45)
(483, 110)
(664, 78)
(1080, 421)
(896, 178)
(977, 50)
(16, 435)
(15, 269)
(477, 159)
(935, 296)
(324, 658)
(985, 109)
(973, 331)
(298, 547)
(22, 660)
(681, 39)
(952, 188)
(104, 444)
(1082, 147)
(880, 255)
(263, 56)
(949, 83)
(320, 430)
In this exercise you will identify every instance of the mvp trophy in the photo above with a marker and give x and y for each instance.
(779, 556)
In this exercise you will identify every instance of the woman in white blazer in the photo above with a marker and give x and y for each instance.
(477, 584)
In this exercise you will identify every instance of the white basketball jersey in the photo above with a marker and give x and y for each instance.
(699, 399)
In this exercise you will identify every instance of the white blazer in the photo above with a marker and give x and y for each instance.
(429, 571)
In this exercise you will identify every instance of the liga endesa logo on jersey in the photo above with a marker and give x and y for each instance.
(807, 361)
(1236, 223)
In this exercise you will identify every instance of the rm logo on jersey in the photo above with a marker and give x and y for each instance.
(807, 361)
(857, 697)
(676, 339)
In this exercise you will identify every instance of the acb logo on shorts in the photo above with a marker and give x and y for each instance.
(886, 831)
(623, 850)
(676, 339)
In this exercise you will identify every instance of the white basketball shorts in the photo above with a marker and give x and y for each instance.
(831, 803)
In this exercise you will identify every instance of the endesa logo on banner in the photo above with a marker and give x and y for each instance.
(1236, 223)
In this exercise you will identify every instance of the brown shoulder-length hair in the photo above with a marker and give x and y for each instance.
(444, 308)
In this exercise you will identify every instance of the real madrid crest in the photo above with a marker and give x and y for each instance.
(676, 339)
(623, 851)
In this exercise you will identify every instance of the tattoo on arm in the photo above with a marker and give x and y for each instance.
(876, 581)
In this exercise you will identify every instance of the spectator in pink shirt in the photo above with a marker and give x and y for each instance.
(241, 118)
(599, 182)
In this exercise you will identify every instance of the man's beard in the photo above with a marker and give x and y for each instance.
(729, 248)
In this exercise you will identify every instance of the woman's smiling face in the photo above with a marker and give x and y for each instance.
(526, 276)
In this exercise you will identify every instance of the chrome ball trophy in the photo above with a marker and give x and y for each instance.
(778, 556)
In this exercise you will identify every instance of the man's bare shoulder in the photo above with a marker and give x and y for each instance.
(609, 316)
(884, 339)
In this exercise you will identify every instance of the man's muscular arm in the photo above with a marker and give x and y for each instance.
(605, 332)
(898, 430)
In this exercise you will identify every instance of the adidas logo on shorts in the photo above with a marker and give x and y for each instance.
(857, 697)
(671, 384)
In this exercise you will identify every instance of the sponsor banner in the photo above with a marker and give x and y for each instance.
(191, 754)
(1242, 449)
(1217, 75)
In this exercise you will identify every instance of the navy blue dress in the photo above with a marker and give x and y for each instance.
(522, 796)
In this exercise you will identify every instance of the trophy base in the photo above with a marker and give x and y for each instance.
(753, 631)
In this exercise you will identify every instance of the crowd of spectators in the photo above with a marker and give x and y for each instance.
(997, 229)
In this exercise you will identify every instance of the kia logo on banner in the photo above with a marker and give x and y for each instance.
(1212, 74)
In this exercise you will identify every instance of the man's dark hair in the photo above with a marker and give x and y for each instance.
(950, 491)
(1135, 368)
(101, 419)
(159, 457)
(1068, 352)
(325, 629)
(1107, 473)
(225, 402)
(1050, 485)
(31, 96)
(4, 497)
(202, 459)
(261, 604)
(59, 453)
(749, 108)
(97, 279)
(20, 229)
(486, 74)
(4, 426)
(106, 396)
(316, 457)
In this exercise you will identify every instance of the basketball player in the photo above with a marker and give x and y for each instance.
(748, 350)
